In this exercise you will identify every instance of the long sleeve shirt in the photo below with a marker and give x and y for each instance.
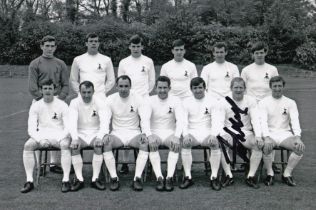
(218, 76)
(180, 75)
(97, 69)
(201, 114)
(48, 117)
(131, 113)
(241, 116)
(166, 114)
(279, 115)
(88, 117)
(43, 69)
(141, 70)
(257, 79)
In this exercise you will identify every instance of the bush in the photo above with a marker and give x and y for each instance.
(306, 56)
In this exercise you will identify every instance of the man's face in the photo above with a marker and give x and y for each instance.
(198, 91)
(219, 54)
(48, 49)
(86, 93)
(238, 90)
(123, 86)
(93, 45)
(162, 89)
(277, 89)
(48, 92)
(259, 56)
(178, 53)
(136, 49)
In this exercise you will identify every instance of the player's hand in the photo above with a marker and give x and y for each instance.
(143, 138)
(268, 145)
(99, 142)
(153, 143)
(175, 144)
(187, 140)
(74, 144)
(213, 141)
(299, 145)
(44, 143)
(260, 142)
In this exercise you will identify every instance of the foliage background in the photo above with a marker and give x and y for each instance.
(288, 27)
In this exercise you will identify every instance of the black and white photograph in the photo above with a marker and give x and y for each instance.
(158, 104)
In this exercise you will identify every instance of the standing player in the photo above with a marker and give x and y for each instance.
(139, 68)
(87, 128)
(201, 128)
(257, 76)
(130, 122)
(179, 70)
(241, 123)
(44, 68)
(141, 71)
(46, 127)
(280, 127)
(166, 126)
(93, 66)
(219, 74)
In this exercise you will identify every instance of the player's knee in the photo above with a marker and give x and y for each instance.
(64, 144)
(98, 150)
(30, 145)
(215, 146)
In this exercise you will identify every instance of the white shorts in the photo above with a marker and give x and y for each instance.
(280, 136)
(50, 135)
(163, 134)
(125, 135)
(199, 134)
(87, 135)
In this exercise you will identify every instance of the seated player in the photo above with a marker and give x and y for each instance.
(166, 127)
(130, 123)
(87, 128)
(280, 127)
(200, 128)
(46, 128)
(241, 124)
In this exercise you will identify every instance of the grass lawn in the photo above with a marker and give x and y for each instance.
(14, 105)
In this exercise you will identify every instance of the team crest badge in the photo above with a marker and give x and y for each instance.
(186, 73)
(267, 76)
(55, 116)
(94, 114)
(170, 110)
(227, 75)
(143, 69)
(284, 111)
(99, 68)
(206, 111)
(132, 109)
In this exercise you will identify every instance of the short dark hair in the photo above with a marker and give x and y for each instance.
(47, 38)
(124, 77)
(196, 81)
(87, 84)
(178, 43)
(91, 35)
(48, 83)
(219, 45)
(135, 39)
(259, 46)
(237, 79)
(276, 79)
(163, 79)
